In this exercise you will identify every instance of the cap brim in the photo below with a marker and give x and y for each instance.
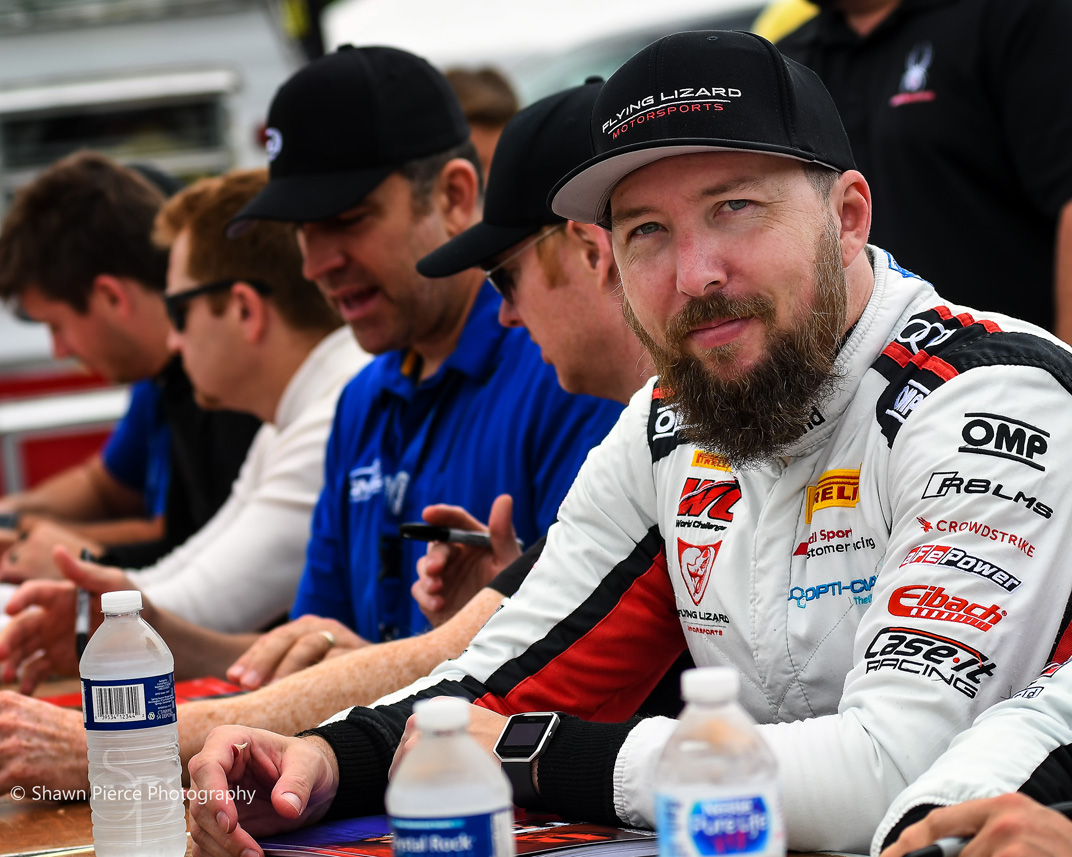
(301, 199)
(584, 193)
(473, 248)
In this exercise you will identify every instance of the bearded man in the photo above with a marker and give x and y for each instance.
(840, 485)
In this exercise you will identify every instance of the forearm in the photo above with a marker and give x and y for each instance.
(198, 651)
(86, 492)
(121, 532)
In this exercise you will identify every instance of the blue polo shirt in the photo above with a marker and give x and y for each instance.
(492, 420)
(138, 453)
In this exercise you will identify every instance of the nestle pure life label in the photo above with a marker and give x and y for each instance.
(486, 834)
(701, 821)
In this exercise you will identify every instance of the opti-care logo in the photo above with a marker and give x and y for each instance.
(834, 488)
(680, 101)
(1004, 437)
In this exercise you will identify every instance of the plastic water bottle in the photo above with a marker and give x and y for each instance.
(449, 798)
(128, 706)
(716, 785)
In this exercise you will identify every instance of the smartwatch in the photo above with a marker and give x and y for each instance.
(523, 740)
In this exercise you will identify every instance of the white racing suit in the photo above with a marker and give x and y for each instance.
(895, 573)
(1021, 744)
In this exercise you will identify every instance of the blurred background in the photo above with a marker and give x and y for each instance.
(183, 86)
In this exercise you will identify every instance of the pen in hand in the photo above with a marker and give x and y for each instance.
(951, 846)
(81, 616)
(432, 533)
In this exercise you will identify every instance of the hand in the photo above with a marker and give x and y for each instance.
(39, 639)
(292, 647)
(30, 558)
(41, 745)
(448, 575)
(484, 725)
(286, 783)
(1011, 825)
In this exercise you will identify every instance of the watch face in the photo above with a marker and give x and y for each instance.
(524, 735)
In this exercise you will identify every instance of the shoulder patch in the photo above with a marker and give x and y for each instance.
(935, 346)
(663, 426)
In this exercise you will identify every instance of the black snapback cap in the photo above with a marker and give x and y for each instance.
(702, 91)
(340, 125)
(537, 147)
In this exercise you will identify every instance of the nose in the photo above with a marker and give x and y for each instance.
(174, 341)
(60, 349)
(700, 266)
(509, 316)
(321, 252)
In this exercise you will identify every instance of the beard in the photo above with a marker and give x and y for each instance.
(754, 415)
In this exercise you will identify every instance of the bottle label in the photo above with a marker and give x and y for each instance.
(705, 821)
(489, 834)
(131, 703)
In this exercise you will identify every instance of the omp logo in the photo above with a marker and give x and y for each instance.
(943, 659)
(908, 400)
(814, 421)
(708, 500)
(958, 559)
(933, 602)
(920, 333)
(696, 562)
(951, 482)
(710, 461)
(834, 488)
(1004, 437)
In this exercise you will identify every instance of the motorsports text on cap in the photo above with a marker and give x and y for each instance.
(686, 99)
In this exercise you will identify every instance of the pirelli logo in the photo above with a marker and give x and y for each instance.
(710, 461)
(835, 488)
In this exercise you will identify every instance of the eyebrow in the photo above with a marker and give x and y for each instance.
(617, 219)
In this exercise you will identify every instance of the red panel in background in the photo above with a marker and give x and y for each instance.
(25, 384)
(45, 456)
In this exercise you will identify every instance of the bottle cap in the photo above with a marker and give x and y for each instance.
(710, 684)
(124, 601)
(441, 714)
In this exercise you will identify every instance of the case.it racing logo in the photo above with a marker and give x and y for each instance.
(696, 562)
(932, 656)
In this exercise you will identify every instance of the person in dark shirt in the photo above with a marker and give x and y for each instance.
(959, 113)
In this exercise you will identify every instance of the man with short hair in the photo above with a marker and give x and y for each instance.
(76, 254)
(799, 495)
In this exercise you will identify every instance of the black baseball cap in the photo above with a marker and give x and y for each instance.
(702, 91)
(537, 147)
(340, 125)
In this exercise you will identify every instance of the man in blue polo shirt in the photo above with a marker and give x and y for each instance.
(456, 409)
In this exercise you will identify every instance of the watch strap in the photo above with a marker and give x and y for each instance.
(520, 775)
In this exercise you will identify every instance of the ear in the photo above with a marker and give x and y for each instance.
(596, 256)
(251, 309)
(111, 294)
(456, 196)
(851, 199)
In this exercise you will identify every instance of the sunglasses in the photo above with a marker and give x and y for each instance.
(503, 280)
(176, 304)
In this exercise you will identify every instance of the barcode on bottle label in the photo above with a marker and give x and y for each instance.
(120, 704)
(130, 704)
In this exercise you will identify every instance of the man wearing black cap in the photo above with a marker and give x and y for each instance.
(839, 485)
(456, 409)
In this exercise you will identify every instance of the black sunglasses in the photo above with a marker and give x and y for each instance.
(176, 304)
(502, 279)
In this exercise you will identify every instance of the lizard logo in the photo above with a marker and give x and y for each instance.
(696, 562)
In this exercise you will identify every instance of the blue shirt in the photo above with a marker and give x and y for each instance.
(138, 453)
(492, 420)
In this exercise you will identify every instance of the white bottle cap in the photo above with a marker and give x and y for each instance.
(710, 684)
(441, 714)
(123, 601)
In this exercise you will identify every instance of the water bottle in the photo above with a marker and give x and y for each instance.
(716, 785)
(449, 798)
(128, 706)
